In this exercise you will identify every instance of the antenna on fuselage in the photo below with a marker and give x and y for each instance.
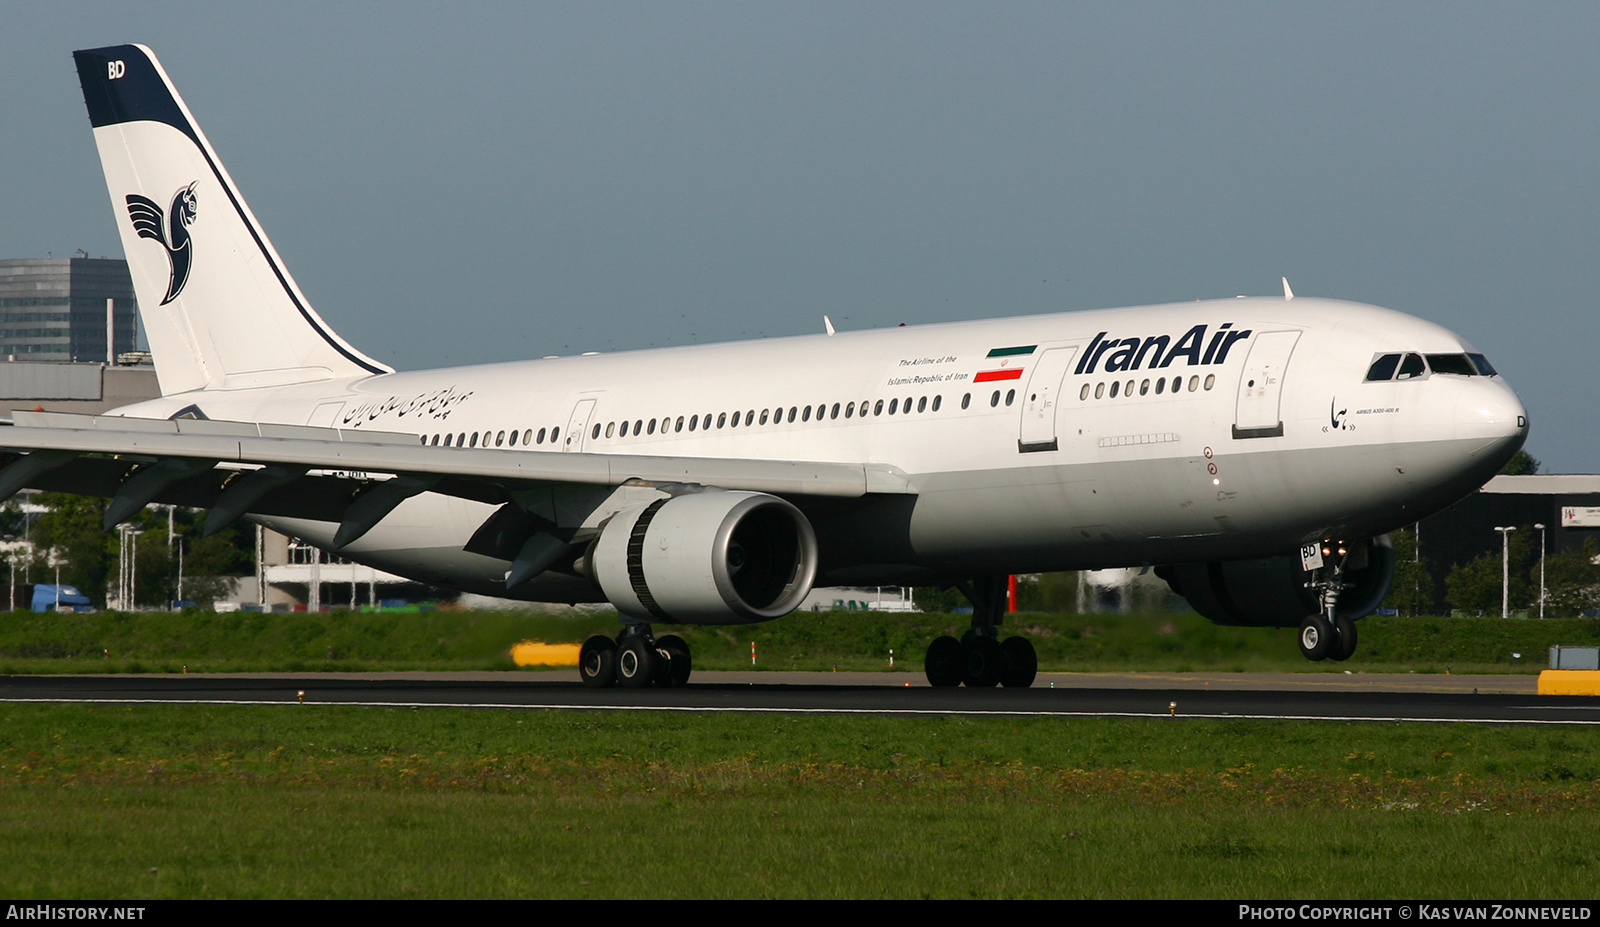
(827, 323)
(1288, 294)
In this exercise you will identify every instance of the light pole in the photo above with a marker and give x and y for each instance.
(1505, 570)
(127, 561)
(1541, 571)
(122, 567)
(1416, 566)
(261, 569)
(133, 568)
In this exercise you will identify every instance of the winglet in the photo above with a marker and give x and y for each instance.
(1288, 294)
(827, 323)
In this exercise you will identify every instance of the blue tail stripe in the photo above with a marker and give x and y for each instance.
(138, 94)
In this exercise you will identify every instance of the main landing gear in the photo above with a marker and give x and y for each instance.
(980, 659)
(635, 659)
(1328, 635)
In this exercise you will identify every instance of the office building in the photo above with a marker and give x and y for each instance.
(54, 309)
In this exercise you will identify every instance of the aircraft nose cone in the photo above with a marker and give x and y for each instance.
(1491, 405)
(1490, 410)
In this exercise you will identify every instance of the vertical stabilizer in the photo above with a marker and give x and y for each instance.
(218, 306)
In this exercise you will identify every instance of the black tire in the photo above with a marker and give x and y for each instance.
(1344, 645)
(674, 671)
(597, 662)
(1021, 663)
(1316, 638)
(636, 663)
(943, 662)
(985, 662)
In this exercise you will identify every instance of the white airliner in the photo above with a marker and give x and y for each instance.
(1253, 451)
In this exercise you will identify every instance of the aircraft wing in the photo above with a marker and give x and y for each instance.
(356, 477)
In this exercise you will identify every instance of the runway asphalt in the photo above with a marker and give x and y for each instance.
(1327, 696)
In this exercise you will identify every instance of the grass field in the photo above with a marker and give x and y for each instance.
(328, 801)
(344, 802)
(244, 642)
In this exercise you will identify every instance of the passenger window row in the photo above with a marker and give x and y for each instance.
(759, 417)
(494, 438)
(708, 421)
(1144, 386)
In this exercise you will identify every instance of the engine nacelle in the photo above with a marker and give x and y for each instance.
(1272, 593)
(706, 558)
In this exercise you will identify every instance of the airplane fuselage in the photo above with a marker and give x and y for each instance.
(1194, 431)
(1253, 451)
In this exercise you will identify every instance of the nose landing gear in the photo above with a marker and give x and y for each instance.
(980, 659)
(1328, 634)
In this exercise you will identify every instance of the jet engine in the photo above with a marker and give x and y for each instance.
(706, 558)
(1272, 593)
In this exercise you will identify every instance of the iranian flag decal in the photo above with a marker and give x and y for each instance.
(1012, 360)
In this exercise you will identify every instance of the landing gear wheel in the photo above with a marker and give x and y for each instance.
(1316, 638)
(1344, 646)
(1021, 663)
(636, 662)
(985, 662)
(943, 662)
(597, 662)
(674, 670)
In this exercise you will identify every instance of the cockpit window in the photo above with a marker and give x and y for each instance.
(1409, 366)
(1383, 368)
(1452, 363)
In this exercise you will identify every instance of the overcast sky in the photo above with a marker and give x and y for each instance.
(454, 183)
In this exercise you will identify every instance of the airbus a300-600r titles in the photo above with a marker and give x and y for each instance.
(1254, 451)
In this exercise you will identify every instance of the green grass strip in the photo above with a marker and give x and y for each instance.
(334, 801)
(455, 640)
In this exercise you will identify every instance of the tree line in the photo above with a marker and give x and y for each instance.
(69, 533)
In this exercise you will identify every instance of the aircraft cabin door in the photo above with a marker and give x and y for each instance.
(1042, 398)
(577, 425)
(1261, 385)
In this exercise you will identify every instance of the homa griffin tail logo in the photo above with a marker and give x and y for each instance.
(171, 229)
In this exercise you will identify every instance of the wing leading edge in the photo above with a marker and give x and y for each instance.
(357, 477)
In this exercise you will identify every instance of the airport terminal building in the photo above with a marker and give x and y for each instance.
(1568, 505)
